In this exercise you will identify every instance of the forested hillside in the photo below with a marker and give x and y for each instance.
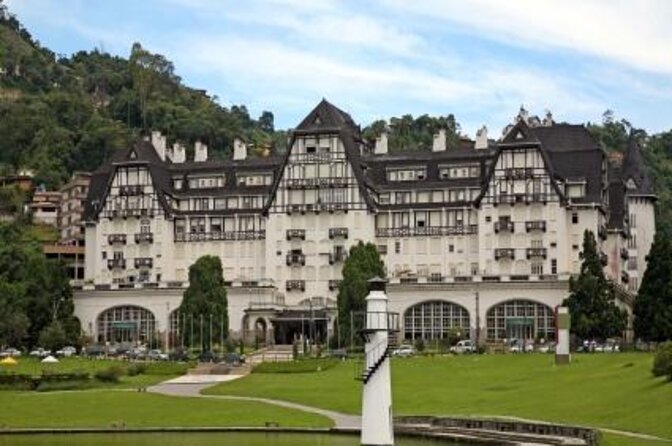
(58, 115)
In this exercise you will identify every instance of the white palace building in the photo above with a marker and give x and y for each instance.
(482, 237)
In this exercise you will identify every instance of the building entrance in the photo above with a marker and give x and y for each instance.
(294, 325)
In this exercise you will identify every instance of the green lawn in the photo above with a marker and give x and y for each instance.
(105, 408)
(602, 390)
(33, 366)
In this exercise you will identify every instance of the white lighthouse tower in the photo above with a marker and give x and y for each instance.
(377, 423)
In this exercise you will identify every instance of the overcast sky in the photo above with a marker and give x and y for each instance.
(480, 60)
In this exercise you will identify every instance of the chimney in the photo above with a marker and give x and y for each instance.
(159, 143)
(439, 141)
(200, 152)
(239, 150)
(179, 153)
(381, 144)
(548, 119)
(523, 115)
(481, 138)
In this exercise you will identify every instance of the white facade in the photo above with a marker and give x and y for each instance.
(472, 232)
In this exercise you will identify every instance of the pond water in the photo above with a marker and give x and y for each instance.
(199, 439)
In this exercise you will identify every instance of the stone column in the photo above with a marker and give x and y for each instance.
(562, 322)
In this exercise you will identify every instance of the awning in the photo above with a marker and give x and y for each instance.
(519, 321)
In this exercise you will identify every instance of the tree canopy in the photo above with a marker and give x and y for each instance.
(592, 298)
(59, 115)
(409, 133)
(205, 304)
(362, 264)
(35, 294)
(653, 306)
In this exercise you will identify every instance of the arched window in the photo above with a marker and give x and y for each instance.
(435, 320)
(126, 324)
(520, 319)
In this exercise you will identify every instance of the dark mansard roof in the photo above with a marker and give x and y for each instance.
(570, 152)
(635, 173)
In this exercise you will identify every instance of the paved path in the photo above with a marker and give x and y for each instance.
(341, 420)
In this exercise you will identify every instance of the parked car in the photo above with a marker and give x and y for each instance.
(404, 351)
(520, 346)
(546, 348)
(208, 356)
(11, 352)
(179, 354)
(40, 353)
(463, 346)
(94, 351)
(67, 351)
(339, 353)
(157, 355)
(233, 359)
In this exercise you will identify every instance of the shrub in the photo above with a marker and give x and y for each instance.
(50, 386)
(136, 369)
(420, 345)
(165, 368)
(300, 366)
(111, 374)
(662, 362)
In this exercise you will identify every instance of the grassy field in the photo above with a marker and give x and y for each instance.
(610, 391)
(33, 366)
(107, 408)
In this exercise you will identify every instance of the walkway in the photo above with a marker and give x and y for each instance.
(341, 421)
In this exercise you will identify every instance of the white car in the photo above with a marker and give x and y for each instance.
(67, 351)
(404, 351)
(464, 346)
(40, 353)
(10, 352)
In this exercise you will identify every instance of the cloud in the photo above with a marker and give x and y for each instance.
(633, 33)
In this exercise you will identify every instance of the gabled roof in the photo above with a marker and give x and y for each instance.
(326, 117)
(635, 172)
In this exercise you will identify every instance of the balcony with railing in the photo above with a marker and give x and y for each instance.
(258, 234)
(535, 253)
(505, 254)
(604, 258)
(624, 253)
(295, 259)
(427, 231)
(130, 190)
(519, 173)
(602, 232)
(625, 277)
(295, 285)
(504, 225)
(535, 225)
(116, 239)
(143, 262)
(333, 284)
(144, 237)
(309, 183)
(296, 234)
(118, 263)
(338, 232)
(337, 257)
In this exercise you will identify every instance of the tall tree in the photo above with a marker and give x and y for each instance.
(592, 298)
(653, 306)
(362, 264)
(34, 292)
(205, 303)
